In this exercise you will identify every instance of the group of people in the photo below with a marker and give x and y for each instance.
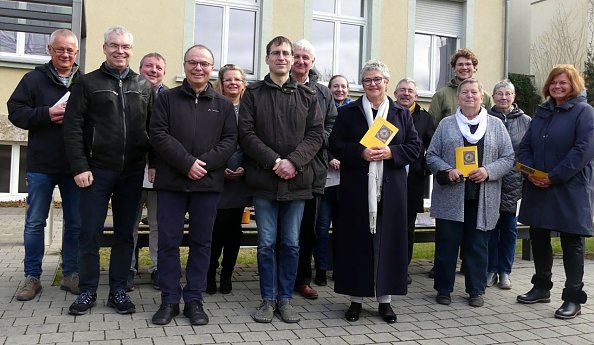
(290, 147)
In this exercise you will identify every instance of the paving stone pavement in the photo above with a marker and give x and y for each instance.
(420, 321)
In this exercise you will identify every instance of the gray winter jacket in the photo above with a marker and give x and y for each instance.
(517, 124)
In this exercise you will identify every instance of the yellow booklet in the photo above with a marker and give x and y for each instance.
(380, 133)
(531, 171)
(466, 159)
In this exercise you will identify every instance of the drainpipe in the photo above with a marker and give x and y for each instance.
(506, 41)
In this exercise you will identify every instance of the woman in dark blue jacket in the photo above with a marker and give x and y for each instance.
(560, 142)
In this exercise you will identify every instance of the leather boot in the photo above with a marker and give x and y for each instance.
(540, 292)
(572, 301)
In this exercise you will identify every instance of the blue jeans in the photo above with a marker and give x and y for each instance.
(40, 187)
(326, 214)
(278, 270)
(502, 244)
(123, 188)
(449, 237)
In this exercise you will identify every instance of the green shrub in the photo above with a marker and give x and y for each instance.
(589, 76)
(527, 97)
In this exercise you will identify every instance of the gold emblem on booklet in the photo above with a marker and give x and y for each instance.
(380, 133)
(466, 159)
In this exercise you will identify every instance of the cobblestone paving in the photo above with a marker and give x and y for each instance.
(420, 321)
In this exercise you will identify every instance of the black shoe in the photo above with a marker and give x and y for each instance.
(386, 312)
(476, 300)
(408, 279)
(83, 303)
(535, 295)
(321, 279)
(226, 285)
(195, 312)
(165, 314)
(352, 314)
(444, 299)
(431, 272)
(130, 281)
(155, 280)
(568, 310)
(120, 301)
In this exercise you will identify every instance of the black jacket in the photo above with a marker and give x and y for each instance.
(185, 127)
(106, 121)
(328, 108)
(28, 108)
(516, 123)
(279, 122)
(418, 172)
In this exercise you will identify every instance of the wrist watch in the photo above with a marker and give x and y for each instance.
(276, 161)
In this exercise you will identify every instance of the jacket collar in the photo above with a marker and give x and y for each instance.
(188, 90)
(550, 105)
(115, 74)
(289, 86)
(49, 70)
(515, 112)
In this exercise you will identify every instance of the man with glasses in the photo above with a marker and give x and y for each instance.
(194, 132)
(37, 105)
(445, 100)
(280, 130)
(105, 133)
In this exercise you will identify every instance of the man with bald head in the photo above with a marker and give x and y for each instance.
(193, 131)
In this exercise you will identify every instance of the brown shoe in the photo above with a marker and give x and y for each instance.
(29, 290)
(70, 283)
(307, 291)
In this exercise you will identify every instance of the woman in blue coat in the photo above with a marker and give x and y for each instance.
(560, 142)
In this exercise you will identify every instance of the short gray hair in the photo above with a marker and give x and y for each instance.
(505, 83)
(305, 45)
(64, 33)
(406, 80)
(120, 30)
(470, 81)
(375, 65)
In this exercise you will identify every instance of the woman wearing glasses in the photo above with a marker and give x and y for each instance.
(502, 244)
(466, 206)
(370, 247)
(226, 235)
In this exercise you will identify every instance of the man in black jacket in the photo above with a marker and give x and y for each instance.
(194, 132)
(303, 72)
(105, 133)
(37, 105)
(280, 131)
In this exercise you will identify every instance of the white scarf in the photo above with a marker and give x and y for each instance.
(376, 168)
(464, 123)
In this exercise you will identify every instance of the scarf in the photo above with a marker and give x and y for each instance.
(376, 168)
(464, 123)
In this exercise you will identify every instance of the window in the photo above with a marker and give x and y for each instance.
(338, 34)
(229, 28)
(438, 28)
(13, 169)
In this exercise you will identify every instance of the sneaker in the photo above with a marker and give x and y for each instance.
(155, 280)
(83, 303)
(476, 301)
(504, 281)
(265, 312)
(286, 312)
(491, 279)
(70, 283)
(29, 290)
(130, 281)
(120, 301)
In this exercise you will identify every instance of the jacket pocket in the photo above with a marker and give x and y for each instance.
(303, 180)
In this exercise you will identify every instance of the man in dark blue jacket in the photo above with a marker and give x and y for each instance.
(193, 132)
(37, 105)
(105, 133)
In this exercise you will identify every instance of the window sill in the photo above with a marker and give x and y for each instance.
(22, 62)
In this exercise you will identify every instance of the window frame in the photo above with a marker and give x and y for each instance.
(227, 6)
(13, 193)
(434, 60)
(338, 20)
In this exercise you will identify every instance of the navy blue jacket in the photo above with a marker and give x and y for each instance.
(560, 141)
(28, 108)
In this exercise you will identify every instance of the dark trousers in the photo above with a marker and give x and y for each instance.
(412, 218)
(573, 258)
(226, 239)
(450, 236)
(124, 189)
(307, 240)
(171, 208)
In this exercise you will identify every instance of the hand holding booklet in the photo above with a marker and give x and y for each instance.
(380, 133)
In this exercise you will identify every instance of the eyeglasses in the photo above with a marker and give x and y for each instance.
(464, 64)
(506, 94)
(375, 81)
(115, 46)
(61, 51)
(409, 91)
(277, 54)
(231, 80)
(194, 64)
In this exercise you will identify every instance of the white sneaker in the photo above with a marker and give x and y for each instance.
(504, 281)
(491, 278)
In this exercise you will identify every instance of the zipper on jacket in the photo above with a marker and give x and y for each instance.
(92, 143)
(123, 121)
